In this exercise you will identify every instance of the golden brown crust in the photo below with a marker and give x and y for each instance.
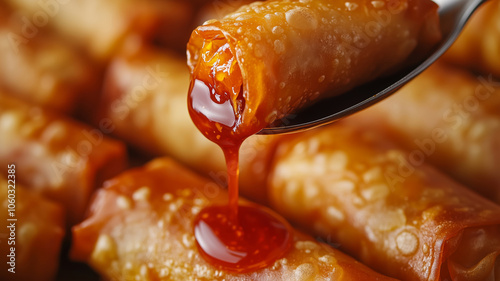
(349, 183)
(451, 118)
(140, 226)
(57, 157)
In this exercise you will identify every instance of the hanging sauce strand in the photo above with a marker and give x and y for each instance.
(232, 237)
(231, 154)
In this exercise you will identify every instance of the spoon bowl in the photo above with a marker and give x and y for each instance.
(453, 15)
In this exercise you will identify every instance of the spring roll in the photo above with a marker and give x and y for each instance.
(354, 186)
(31, 234)
(44, 70)
(144, 97)
(100, 27)
(271, 58)
(141, 228)
(57, 157)
(450, 118)
(478, 45)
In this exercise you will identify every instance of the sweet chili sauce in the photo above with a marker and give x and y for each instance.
(233, 237)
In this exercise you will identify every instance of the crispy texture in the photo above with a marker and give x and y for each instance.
(44, 70)
(356, 187)
(39, 233)
(140, 226)
(57, 157)
(145, 99)
(478, 45)
(450, 118)
(291, 53)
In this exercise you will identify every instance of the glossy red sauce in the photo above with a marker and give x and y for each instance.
(255, 239)
(237, 238)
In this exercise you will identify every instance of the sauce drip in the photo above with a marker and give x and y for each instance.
(231, 237)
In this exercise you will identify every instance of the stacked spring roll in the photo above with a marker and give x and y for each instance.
(60, 158)
(450, 118)
(141, 228)
(354, 186)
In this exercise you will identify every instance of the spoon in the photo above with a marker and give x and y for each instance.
(453, 15)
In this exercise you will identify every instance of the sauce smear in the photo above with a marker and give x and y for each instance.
(236, 238)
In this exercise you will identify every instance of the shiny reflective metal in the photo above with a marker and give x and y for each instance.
(453, 15)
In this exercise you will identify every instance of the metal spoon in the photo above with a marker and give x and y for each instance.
(453, 15)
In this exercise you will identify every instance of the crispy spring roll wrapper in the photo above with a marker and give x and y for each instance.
(478, 45)
(353, 186)
(38, 232)
(451, 118)
(45, 70)
(271, 58)
(141, 226)
(101, 26)
(144, 97)
(62, 159)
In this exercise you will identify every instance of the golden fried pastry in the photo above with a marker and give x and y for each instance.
(271, 58)
(450, 118)
(141, 228)
(55, 156)
(32, 231)
(352, 185)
